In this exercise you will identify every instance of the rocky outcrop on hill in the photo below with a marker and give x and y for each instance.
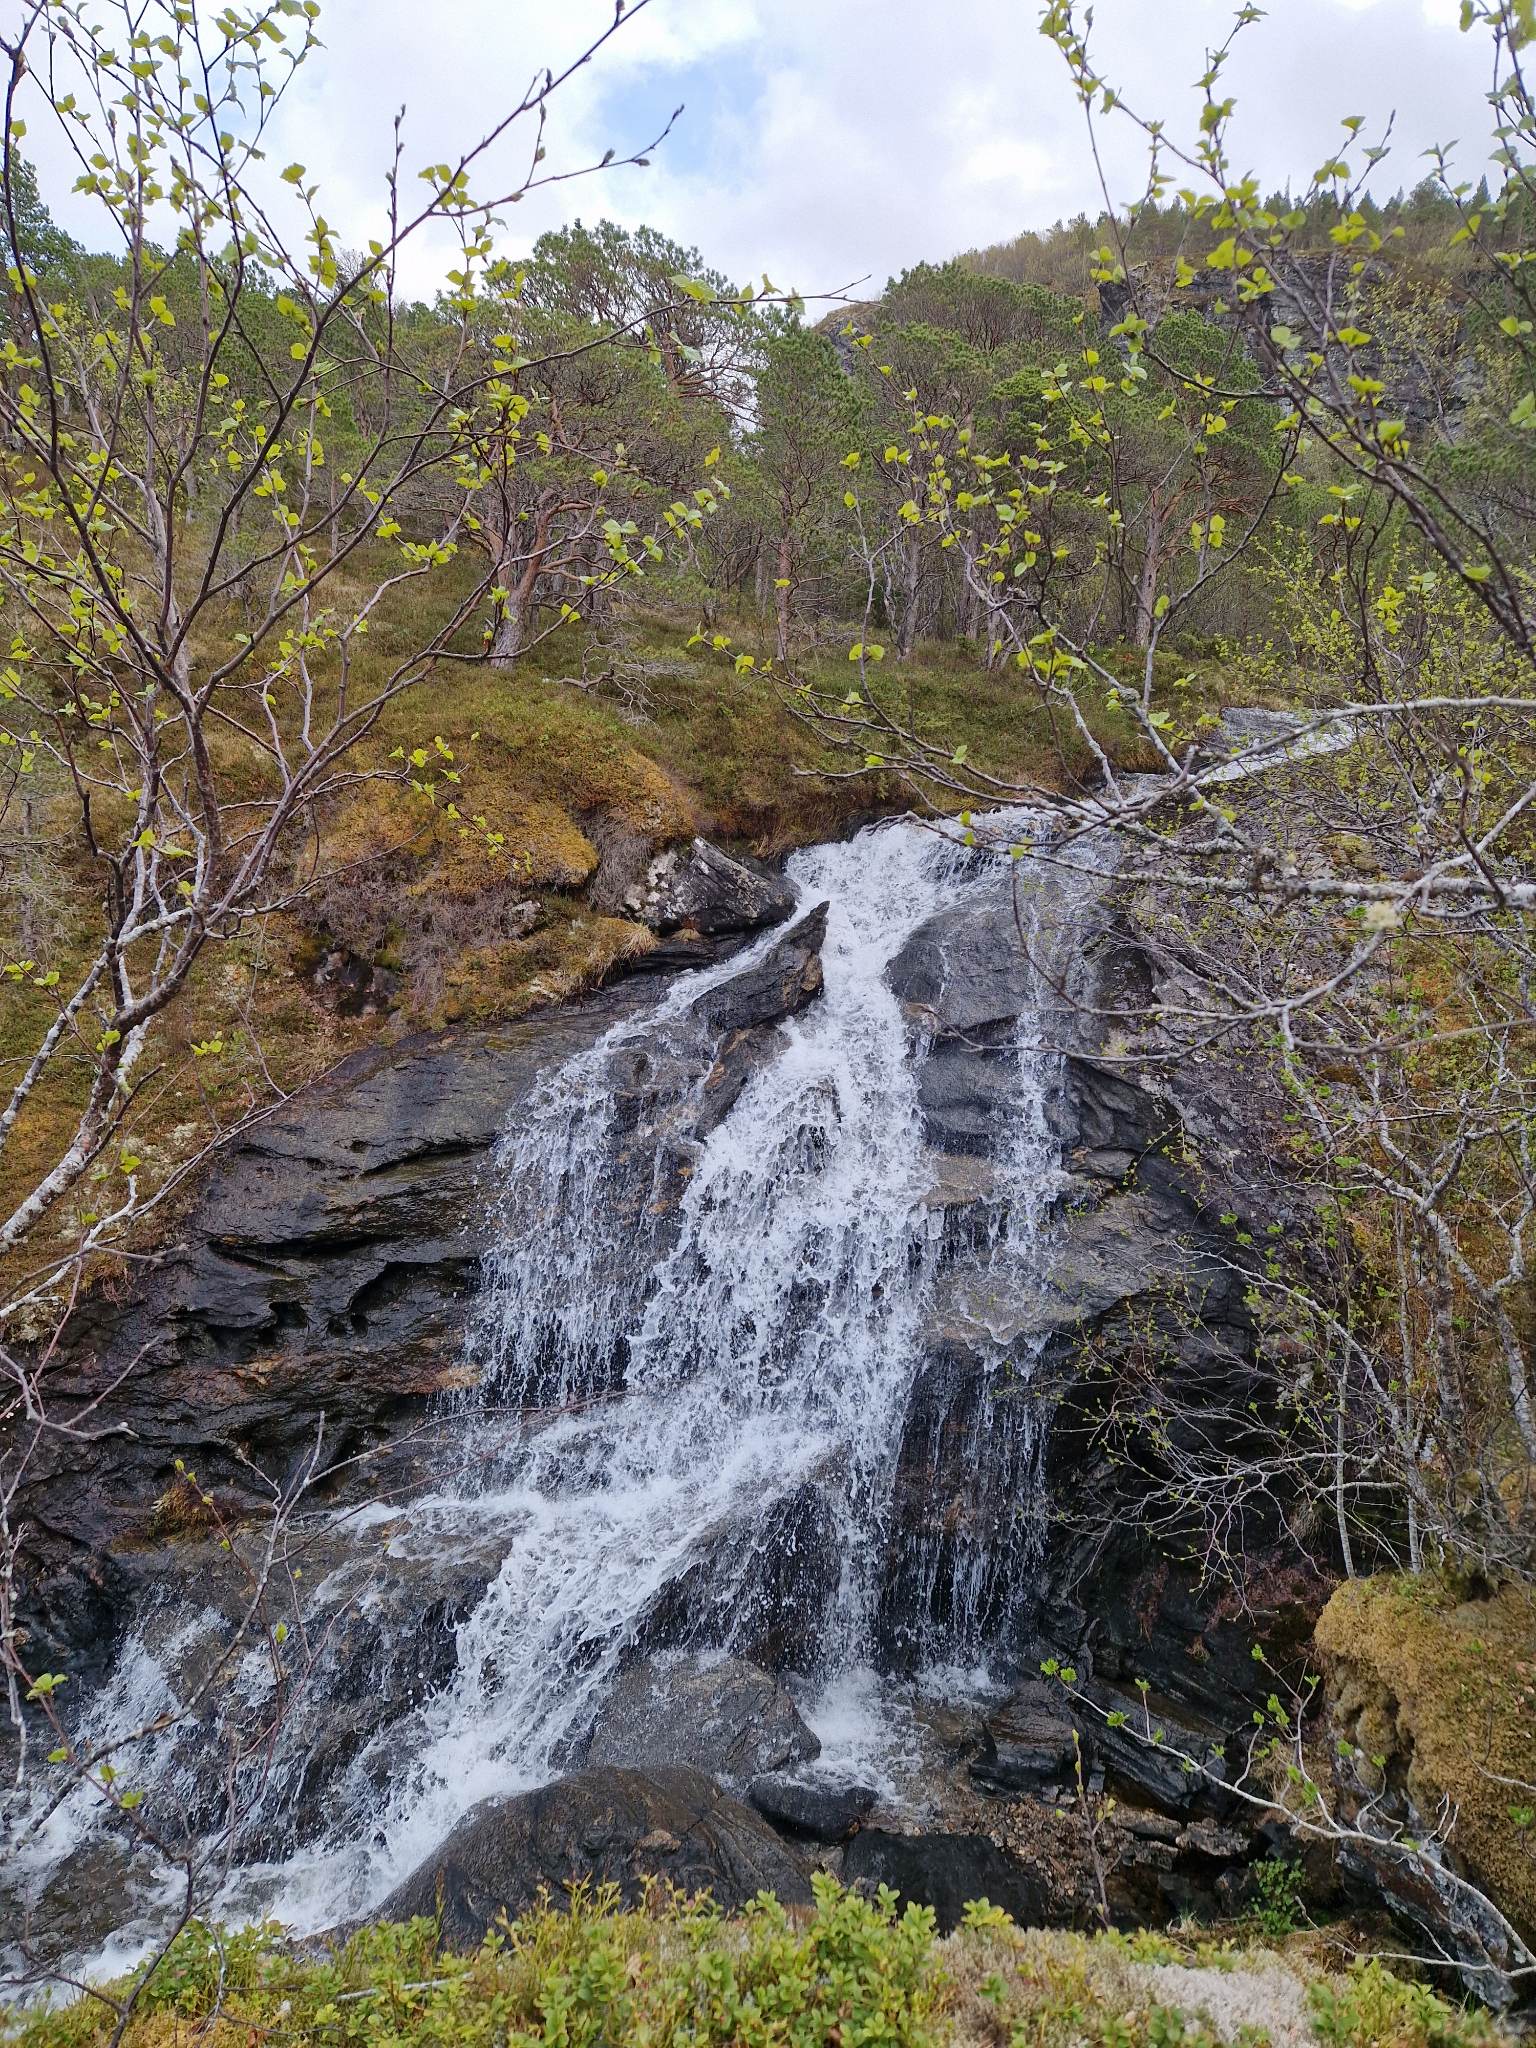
(1315, 295)
(1431, 1716)
(318, 1294)
(699, 888)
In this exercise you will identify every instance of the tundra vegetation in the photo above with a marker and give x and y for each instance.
(345, 631)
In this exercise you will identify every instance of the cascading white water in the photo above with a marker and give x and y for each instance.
(715, 1368)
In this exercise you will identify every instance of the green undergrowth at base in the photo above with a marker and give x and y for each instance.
(850, 1972)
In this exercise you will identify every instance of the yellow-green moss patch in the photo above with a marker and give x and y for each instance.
(564, 957)
(1444, 1690)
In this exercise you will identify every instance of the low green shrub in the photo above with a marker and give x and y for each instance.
(1279, 1902)
(849, 1972)
(1371, 2008)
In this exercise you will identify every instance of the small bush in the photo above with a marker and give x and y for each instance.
(1373, 2009)
(1279, 1905)
(676, 1972)
(850, 1972)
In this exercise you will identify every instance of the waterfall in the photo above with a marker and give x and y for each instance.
(706, 1375)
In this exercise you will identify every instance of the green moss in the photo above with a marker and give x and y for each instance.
(566, 955)
(1443, 1690)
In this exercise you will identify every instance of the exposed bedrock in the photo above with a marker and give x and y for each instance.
(313, 1303)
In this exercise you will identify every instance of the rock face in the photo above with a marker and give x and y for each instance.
(319, 1291)
(1143, 1754)
(780, 984)
(1432, 386)
(315, 1296)
(313, 1305)
(824, 1812)
(600, 1827)
(1029, 1743)
(729, 1718)
(699, 888)
(1140, 1260)
(946, 1872)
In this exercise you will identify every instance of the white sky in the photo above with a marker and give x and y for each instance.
(830, 140)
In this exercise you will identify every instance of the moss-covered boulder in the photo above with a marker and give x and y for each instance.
(1432, 1710)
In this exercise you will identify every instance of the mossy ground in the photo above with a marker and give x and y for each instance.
(1442, 1688)
(849, 1973)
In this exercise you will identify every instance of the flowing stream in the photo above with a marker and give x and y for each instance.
(705, 1374)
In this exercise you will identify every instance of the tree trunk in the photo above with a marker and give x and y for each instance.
(520, 577)
(781, 600)
(1146, 582)
(906, 631)
(507, 641)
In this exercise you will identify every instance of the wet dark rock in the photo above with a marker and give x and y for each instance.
(1126, 1251)
(1219, 1844)
(947, 1872)
(313, 1305)
(806, 1806)
(1149, 1827)
(777, 1623)
(86, 1895)
(727, 1717)
(1158, 1756)
(966, 1091)
(370, 1640)
(780, 984)
(965, 968)
(684, 951)
(705, 890)
(603, 1826)
(1029, 1742)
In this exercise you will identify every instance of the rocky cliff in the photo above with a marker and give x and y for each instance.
(308, 1330)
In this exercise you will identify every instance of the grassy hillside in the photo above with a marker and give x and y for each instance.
(488, 879)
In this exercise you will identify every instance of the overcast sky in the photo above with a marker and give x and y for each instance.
(827, 141)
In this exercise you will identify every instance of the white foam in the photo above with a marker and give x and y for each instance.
(698, 1374)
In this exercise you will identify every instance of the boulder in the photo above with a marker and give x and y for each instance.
(965, 968)
(1428, 1695)
(730, 1718)
(779, 985)
(599, 1827)
(699, 888)
(1028, 1743)
(804, 1806)
(946, 1872)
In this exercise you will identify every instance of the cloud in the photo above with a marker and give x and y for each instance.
(829, 140)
